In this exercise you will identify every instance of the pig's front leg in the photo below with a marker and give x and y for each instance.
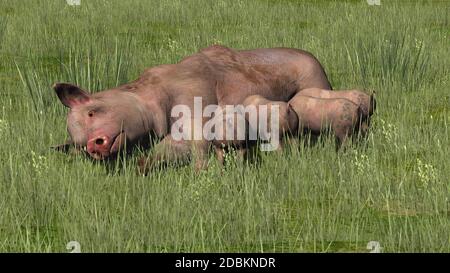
(173, 152)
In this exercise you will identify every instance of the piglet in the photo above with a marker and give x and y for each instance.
(317, 116)
(366, 102)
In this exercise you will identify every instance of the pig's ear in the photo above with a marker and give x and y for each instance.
(71, 95)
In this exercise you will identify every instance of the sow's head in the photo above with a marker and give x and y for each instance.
(103, 122)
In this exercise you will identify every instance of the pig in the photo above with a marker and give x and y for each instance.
(231, 132)
(287, 119)
(317, 115)
(139, 113)
(366, 102)
(178, 150)
(240, 123)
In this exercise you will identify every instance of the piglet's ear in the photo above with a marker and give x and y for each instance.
(71, 95)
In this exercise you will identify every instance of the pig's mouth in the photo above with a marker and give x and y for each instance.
(117, 142)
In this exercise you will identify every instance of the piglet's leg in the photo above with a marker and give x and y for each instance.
(173, 152)
(341, 131)
(220, 153)
(364, 129)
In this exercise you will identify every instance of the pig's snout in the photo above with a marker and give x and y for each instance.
(99, 147)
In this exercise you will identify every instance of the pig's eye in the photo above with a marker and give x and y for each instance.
(91, 113)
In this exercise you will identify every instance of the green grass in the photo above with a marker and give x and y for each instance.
(393, 189)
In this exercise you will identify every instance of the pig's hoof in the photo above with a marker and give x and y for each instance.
(200, 166)
(143, 167)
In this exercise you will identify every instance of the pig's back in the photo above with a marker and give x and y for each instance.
(311, 111)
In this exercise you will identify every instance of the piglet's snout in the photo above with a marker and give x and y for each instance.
(98, 147)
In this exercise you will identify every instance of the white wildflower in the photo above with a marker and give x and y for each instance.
(361, 162)
(173, 44)
(418, 44)
(426, 172)
(389, 131)
(39, 163)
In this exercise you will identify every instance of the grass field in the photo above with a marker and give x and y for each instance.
(394, 188)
